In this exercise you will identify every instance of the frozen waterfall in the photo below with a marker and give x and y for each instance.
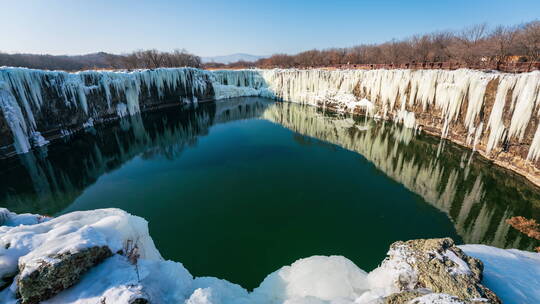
(25, 95)
(456, 96)
(491, 111)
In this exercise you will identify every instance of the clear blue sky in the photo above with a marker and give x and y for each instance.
(211, 27)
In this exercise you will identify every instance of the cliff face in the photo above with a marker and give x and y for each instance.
(495, 114)
(38, 105)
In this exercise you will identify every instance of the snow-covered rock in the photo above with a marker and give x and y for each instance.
(56, 273)
(436, 265)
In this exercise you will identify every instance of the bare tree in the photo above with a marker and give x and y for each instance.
(469, 46)
(502, 40)
(529, 40)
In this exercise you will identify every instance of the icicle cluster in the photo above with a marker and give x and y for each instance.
(23, 93)
(394, 91)
(401, 95)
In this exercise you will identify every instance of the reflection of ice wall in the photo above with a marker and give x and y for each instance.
(392, 150)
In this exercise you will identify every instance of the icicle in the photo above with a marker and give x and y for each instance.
(534, 150)
(525, 97)
(495, 122)
(407, 118)
(15, 120)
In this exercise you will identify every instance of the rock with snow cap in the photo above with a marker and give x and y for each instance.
(437, 266)
(57, 273)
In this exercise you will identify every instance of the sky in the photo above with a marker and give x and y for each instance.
(211, 27)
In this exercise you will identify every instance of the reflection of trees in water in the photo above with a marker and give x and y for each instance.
(46, 184)
(477, 196)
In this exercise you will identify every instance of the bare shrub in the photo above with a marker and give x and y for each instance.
(131, 252)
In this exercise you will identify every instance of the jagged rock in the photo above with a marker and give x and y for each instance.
(438, 266)
(402, 297)
(57, 273)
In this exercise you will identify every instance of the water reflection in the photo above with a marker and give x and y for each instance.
(46, 182)
(477, 196)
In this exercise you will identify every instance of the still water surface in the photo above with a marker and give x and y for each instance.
(240, 188)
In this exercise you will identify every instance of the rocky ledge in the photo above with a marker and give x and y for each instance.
(56, 273)
(433, 267)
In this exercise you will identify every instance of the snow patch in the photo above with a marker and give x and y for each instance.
(514, 275)
(407, 118)
(436, 298)
(320, 278)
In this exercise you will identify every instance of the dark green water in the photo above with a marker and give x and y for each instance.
(238, 189)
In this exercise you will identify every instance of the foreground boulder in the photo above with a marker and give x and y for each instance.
(57, 273)
(428, 268)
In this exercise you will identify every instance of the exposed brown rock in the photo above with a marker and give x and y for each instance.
(402, 297)
(51, 278)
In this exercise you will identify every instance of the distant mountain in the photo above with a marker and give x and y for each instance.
(232, 58)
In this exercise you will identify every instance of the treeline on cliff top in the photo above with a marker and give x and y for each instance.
(472, 45)
(141, 59)
(478, 43)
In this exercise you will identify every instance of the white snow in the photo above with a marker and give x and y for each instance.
(11, 219)
(408, 118)
(29, 244)
(512, 274)
(89, 123)
(461, 266)
(436, 298)
(321, 278)
(394, 271)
